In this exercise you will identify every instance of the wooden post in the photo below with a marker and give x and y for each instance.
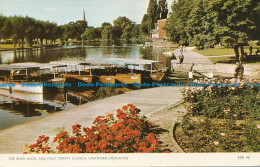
(79, 71)
(90, 73)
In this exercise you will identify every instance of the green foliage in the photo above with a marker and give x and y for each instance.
(107, 32)
(223, 136)
(123, 27)
(155, 11)
(207, 23)
(107, 92)
(237, 102)
(26, 28)
(89, 34)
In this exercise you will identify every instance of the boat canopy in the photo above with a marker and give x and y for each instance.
(123, 61)
(7, 67)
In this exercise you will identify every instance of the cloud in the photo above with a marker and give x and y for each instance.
(50, 9)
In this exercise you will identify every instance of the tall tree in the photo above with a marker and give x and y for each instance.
(89, 34)
(155, 11)
(176, 27)
(206, 23)
(123, 27)
(145, 24)
(163, 9)
(107, 32)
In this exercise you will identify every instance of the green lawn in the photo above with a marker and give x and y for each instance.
(4, 47)
(219, 51)
(215, 51)
(216, 55)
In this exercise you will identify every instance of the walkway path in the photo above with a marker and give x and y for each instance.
(150, 101)
(193, 57)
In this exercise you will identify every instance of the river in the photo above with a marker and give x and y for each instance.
(18, 107)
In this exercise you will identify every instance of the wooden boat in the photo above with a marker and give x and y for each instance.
(157, 76)
(58, 79)
(104, 72)
(107, 79)
(76, 70)
(48, 73)
(129, 78)
(112, 71)
(149, 69)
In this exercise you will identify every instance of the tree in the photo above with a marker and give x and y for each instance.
(107, 32)
(206, 23)
(136, 31)
(89, 34)
(155, 12)
(123, 27)
(163, 9)
(30, 30)
(145, 24)
(176, 27)
(153, 15)
(5, 27)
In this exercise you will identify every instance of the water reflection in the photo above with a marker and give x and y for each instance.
(27, 106)
(96, 50)
(18, 108)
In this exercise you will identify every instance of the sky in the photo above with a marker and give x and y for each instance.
(65, 11)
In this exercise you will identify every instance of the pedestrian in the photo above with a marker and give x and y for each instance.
(251, 50)
(257, 51)
(239, 70)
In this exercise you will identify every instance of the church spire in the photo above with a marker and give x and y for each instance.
(84, 18)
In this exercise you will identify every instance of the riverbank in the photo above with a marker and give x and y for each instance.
(10, 47)
(149, 101)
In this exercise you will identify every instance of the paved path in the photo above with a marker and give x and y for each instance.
(149, 101)
(165, 121)
(193, 57)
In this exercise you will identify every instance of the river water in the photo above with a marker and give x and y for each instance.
(18, 107)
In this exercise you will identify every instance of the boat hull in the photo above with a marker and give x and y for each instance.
(60, 83)
(22, 88)
(107, 79)
(157, 76)
(85, 78)
(128, 78)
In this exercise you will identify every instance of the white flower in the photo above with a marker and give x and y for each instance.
(222, 134)
(216, 143)
(258, 126)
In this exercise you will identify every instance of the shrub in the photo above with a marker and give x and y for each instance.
(216, 101)
(224, 136)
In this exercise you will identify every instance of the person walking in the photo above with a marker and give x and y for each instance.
(239, 70)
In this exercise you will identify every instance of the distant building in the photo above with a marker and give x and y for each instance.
(159, 32)
(83, 22)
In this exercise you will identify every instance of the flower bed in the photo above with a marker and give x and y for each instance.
(125, 132)
(221, 119)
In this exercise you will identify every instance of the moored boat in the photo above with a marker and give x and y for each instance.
(20, 78)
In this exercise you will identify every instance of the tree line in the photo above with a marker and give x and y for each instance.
(205, 23)
(122, 28)
(32, 31)
(27, 30)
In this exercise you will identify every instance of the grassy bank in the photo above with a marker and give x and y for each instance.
(7, 47)
(227, 55)
(220, 119)
(219, 51)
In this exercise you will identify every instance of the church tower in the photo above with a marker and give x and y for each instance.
(84, 17)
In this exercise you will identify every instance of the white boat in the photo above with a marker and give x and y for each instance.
(19, 78)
